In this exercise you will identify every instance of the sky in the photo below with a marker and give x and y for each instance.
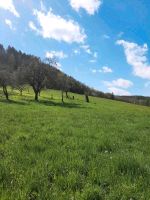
(102, 43)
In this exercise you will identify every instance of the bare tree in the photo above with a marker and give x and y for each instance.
(19, 80)
(36, 75)
(63, 84)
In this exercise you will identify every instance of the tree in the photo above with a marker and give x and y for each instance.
(2, 56)
(36, 75)
(87, 98)
(5, 79)
(67, 85)
(11, 56)
(86, 93)
(63, 85)
(112, 96)
(19, 80)
(51, 78)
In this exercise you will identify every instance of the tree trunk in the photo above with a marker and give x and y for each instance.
(62, 96)
(67, 95)
(36, 92)
(86, 98)
(36, 96)
(5, 92)
(21, 92)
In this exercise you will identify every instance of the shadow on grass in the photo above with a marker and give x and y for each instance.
(13, 102)
(43, 102)
(60, 104)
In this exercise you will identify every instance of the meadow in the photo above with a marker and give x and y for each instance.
(73, 151)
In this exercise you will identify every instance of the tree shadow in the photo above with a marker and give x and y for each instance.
(60, 104)
(13, 102)
(43, 102)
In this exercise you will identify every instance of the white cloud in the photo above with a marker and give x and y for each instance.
(106, 69)
(121, 83)
(33, 27)
(119, 86)
(91, 6)
(106, 36)
(95, 55)
(86, 48)
(136, 57)
(43, 8)
(9, 23)
(92, 61)
(56, 54)
(55, 27)
(118, 91)
(9, 5)
(57, 65)
(76, 51)
(94, 71)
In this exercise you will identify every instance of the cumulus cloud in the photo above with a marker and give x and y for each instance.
(9, 5)
(55, 27)
(119, 86)
(136, 57)
(121, 83)
(91, 6)
(118, 91)
(56, 54)
(9, 23)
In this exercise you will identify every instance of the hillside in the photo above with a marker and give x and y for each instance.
(18, 69)
(75, 150)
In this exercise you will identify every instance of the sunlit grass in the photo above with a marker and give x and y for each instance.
(75, 150)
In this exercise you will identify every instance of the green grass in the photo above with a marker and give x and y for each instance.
(75, 151)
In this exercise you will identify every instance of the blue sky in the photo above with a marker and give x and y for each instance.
(103, 43)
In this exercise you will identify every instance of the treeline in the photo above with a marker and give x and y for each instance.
(141, 100)
(18, 69)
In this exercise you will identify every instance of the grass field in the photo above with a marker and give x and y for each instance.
(75, 151)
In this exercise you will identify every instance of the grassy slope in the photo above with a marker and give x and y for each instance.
(94, 151)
